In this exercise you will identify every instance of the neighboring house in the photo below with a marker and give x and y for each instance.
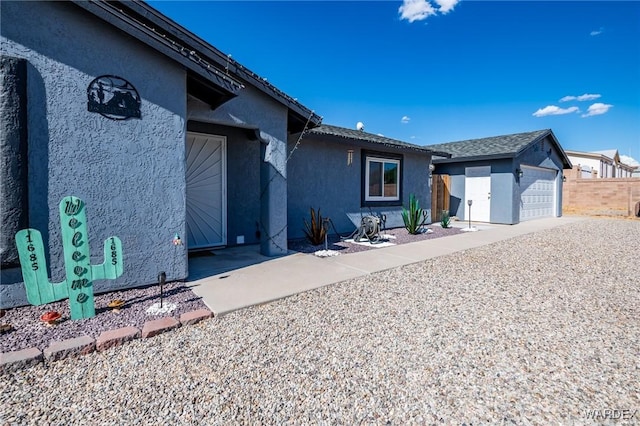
(156, 130)
(601, 164)
(350, 173)
(508, 178)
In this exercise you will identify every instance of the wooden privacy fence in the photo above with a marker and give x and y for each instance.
(439, 196)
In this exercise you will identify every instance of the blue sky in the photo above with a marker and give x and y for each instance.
(446, 70)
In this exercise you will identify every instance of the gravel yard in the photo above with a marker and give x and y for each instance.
(539, 329)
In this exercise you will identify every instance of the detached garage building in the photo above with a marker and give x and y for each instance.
(508, 178)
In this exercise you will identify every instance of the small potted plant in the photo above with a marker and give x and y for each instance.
(51, 318)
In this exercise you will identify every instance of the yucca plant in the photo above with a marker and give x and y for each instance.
(314, 229)
(445, 221)
(414, 218)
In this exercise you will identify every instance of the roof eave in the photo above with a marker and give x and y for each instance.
(472, 158)
(225, 87)
(195, 54)
(590, 155)
(369, 143)
(566, 162)
(298, 113)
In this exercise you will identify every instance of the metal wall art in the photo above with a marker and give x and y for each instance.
(113, 97)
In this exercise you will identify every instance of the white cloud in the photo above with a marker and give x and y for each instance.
(446, 5)
(405, 120)
(418, 10)
(554, 110)
(629, 160)
(597, 109)
(585, 97)
(597, 32)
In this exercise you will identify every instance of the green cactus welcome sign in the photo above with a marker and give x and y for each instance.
(78, 285)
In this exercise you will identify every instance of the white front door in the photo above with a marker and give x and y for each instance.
(477, 188)
(537, 193)
(206, 191)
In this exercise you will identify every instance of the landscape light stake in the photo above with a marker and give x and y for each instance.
(162, 277)
(176, 241)
(469, 202)
(325, 225)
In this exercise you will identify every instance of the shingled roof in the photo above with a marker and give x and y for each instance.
(505, 146)
(343, 133)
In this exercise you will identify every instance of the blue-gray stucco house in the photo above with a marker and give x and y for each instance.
(349, 173)
(156, 130)
(508, 178)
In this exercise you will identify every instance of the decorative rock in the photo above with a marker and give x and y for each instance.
(452, 340)
(155, 309)
(193, 317)
(155, 327)
(70, 347)
(19, 359)
(117, 337)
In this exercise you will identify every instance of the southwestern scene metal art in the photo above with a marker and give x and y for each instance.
(113, 97)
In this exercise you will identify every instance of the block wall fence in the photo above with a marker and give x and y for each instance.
(609, 196)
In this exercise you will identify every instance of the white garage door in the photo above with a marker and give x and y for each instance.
(206, 191)
(537, 193)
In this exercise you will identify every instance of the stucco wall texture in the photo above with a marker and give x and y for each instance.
(252, 108)
(319, 177)
(13, 156)
(130, 173)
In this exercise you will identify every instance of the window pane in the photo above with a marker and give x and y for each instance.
(390, 179)
(375, 179)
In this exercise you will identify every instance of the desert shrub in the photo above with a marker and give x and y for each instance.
(414, 217)
(445, 221)
(314, 228)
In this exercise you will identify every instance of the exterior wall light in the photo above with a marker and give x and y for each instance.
(349, 157)
(519, 173)
(564, 178)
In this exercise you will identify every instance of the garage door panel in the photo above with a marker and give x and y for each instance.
(538, 193)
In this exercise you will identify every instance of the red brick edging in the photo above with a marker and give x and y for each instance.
(16, 360)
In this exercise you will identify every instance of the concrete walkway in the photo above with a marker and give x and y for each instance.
(239, 277)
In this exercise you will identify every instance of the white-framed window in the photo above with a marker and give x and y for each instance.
(382, 179)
